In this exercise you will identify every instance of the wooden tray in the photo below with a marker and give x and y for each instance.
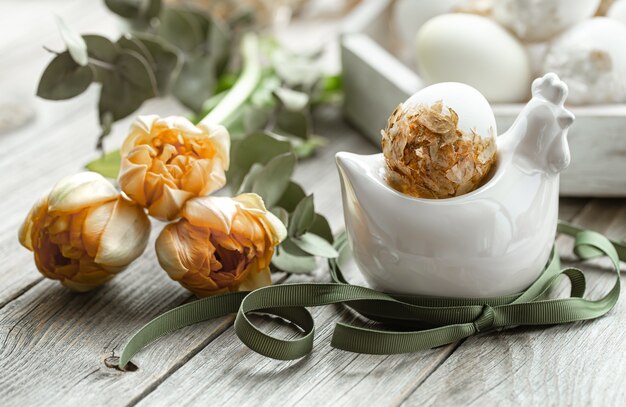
(376, 81)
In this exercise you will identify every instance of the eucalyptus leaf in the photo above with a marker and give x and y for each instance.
(272, 181)
(135, 9)
(281, 214)
(250, 178)
(315, 245)
(321, 227)
(293, 263)
(196, 82)
(101, 48)
(302, 217)
(163, 59)
(291, 197)
(263, 95)
(107, 165)
(182, 29)
(328, 90)
(292, 99)
(63, 78)
(306, 148)
(255, 148)
(293, 123)
(255, 118)
(128, 86)
(296, 70)
(75, 44)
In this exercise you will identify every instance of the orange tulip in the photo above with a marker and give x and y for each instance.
(167, 161)
(84, 232)
(221, 245)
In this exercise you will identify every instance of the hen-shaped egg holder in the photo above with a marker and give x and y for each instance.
(492, 241)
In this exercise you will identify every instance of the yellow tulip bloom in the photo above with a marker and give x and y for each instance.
(167, 161)
(84, 232)
(221, 244)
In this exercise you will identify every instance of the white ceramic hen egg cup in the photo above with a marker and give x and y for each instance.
(493, 241)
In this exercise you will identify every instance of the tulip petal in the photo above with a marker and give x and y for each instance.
(125, 236)
(252, 202)
(179, 123)
(166, 247)
(96, 220)
(168, 206)
(80, 191)
(256, 279)
(139, 133)
(213, 212)
(36, 213)
(280, 231)
(221, 139)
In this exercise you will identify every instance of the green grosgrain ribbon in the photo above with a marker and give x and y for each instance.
(427, 322)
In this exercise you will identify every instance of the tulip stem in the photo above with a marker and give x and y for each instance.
(245, 85)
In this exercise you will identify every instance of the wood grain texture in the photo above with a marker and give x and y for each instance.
(578, 364)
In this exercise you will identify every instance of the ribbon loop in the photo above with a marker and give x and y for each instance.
(485, 320)
(431, 321)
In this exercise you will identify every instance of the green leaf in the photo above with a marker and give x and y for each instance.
(250, 178)
(315, 245)
(75, 44)
(321, 227)
(306, 148)
(271, 182)
(63, 78)
(182, 28)
(294, 123)
(127, 87)
(263, 94)
(292, 99)
(255, 148)
(196, 82)
(135, 9)
(291, 259)
(281, 214)
(107, 165)
(302, 217)
(255, 118)
(328, 90)
(296, 70)
(291, 197)
(163, 59)
(101, 49)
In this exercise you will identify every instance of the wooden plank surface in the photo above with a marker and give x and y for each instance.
(54, 343)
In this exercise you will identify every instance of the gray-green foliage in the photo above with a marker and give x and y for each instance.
(169, 50)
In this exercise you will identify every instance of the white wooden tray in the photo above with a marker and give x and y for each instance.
(376, 81)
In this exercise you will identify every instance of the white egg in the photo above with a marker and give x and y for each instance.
(537, 20)
(474, 50)
(618, 11)
(410, 15)
(474, 111)
(591, 58)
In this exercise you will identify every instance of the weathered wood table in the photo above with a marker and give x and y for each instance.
(54, 343)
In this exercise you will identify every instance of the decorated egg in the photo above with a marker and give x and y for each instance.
(591, 58)
(410, 15)
(440, 142)
(541, 20)
(474, 50)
